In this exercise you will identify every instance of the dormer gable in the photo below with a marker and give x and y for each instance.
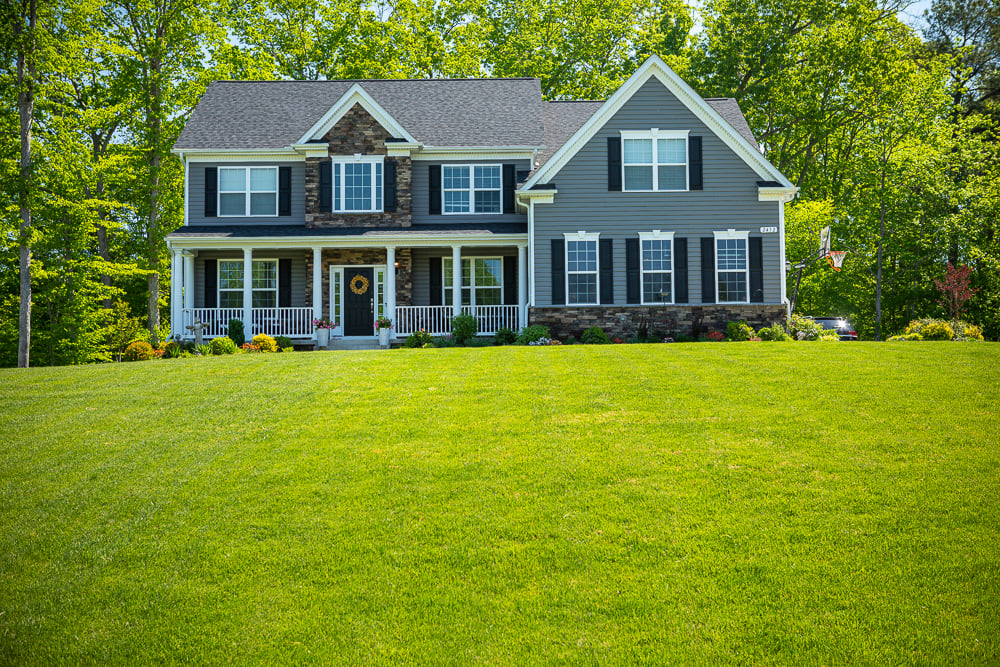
(355, 97)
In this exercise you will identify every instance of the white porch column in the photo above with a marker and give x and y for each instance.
(456, 280)
(522, 285)
(390, 283)
(188, 279)
(176, 294)
(247, 293)
(317, 285)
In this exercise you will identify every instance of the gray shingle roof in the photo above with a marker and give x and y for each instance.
(437, 112)
(729, 109)
(562, 119)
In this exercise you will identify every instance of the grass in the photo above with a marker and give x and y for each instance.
(753, 503)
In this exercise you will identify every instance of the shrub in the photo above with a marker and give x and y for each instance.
(479, 341)
(204, 350)
(930, 329)
(288, 349)
(904, 337)
(283, 342)
(716, 336)
(739, 331)
(236, 333)
(775, 332)
(464, 327)
(532, 334)
(571, 340)
(544, 340)
(139, 350)
(969, 332)
(418, 339)
(265, 343)
(594, 336)
(443, 341)
(223, 345)
(506, 337)
(830, 334)
(171, 349)
(804, 328)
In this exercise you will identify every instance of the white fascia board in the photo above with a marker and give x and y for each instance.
(355, 95)
(782, 194)
(241, 155)
(476, 153)
(312, 150)
(655, 67)
(537, 196)
(401, 148)
(307, 242)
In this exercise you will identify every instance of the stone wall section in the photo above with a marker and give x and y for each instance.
(359, 132)
(361, 256)
(625, 321)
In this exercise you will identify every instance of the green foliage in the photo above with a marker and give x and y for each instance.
(288, 349)
(223, 345)
(443, 341)
(739, 331)
(905, 337)
(171, 349)
(801, 327)
(464, 327)
(204, 350)
(506, 337)
(532, 334)
(829, 335)
(594, 336)
(138, 350)
(571, 341)
(265, 343)
(235, 332)
(479, 341)
(418, 339)
(283, 341)
(931, 329)
(775, 332)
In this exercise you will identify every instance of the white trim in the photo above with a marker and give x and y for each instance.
(731, 234)
(247, 191)
(472, 189)
(546, 196)
(781, 252)
(343, 291)
(337, 162)
(356, 94)
(653, 136)
(218, 281)
(655, 67)
(245, 155)
(657, 235)
(531, 253)
(438, 153)
(379, 241)
(472, 278)
(187, 187)
(581, 235)
(400, 148)
(782, 194)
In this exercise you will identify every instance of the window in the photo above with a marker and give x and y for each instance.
(656, 251)
(471, 188)
(357, 184)
(581, 268)
(731, 266)
(482, 280)
(263, 283)
(260, 199)
(654, 161)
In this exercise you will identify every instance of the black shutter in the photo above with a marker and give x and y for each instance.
(211, 192)
(325, 186)
(510, 281)
(694, 163)
(614, 164)
(389, 197)
(681, 270)
(284, 283)
(211, 283)
(436, 282)
(632, 286)
(708, 269)
(508, 188)
(435, 190)
(756, 270)
(284, 190)
(606, 268)
(558, 272)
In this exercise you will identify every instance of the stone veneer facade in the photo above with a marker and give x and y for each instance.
(358, 132)
(362, 256)
(694, 320)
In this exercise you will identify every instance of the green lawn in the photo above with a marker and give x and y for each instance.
(694, 503)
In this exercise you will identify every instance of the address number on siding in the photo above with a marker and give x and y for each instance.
(768, 230)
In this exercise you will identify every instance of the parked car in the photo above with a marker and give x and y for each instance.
(843, 327)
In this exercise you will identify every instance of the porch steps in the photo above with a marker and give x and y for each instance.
(359, 344)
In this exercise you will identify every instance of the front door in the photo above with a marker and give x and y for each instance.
(359, 302)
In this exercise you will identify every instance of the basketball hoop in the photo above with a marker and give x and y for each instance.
(836, 258)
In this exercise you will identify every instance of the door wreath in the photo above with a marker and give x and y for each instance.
(359, 284)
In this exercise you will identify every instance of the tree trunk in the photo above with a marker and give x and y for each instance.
(152, 228)
(26, 109)
(878, 263)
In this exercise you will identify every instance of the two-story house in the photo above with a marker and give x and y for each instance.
(354, 199)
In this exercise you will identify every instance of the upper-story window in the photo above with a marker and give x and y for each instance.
(249, 191)
(357, 184)
(471, 188)
(731, 267)
(656, 250)
(655, 160)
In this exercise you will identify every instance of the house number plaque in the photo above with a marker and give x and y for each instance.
(768, 230)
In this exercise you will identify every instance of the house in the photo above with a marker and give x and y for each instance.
(354, 199)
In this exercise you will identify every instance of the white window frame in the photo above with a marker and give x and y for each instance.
(446, 268)
(653, 134)
(472, 190)
(656, 235)
(730, 234)
(594, 237)
(277, 279)
(338, 291)
(378, 185)
(247, 191)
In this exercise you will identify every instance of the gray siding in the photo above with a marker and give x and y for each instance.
(421, 195)
(196, 195)
(422, 267)
(729, 200)
(298, 258)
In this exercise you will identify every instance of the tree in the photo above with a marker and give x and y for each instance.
(955, 291)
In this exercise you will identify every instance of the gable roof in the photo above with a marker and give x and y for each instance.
(235, 115)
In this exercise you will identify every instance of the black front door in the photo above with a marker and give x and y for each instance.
(359, 310)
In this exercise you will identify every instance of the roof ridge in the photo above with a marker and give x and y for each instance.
(444, 80)
(574, 101)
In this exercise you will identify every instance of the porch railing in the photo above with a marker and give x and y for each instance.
(436, 320)
(291, 322)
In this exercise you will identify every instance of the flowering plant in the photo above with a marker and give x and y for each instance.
(716, 336)
(324, 323)
(668, 339)
(383, 323)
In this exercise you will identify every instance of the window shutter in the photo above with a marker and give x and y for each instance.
(211, 283)
(284, 191)
(325, 186)
(436, 282)
(510, 280)
(680, 270)
(435, 190)
(389, 191)
(558, 272)
(211, 192)
(508, 188)
(694, 163)
(708, 269)
(606, 270)
(614, 164)
(284, 283)
(756, 270)
(632, 285)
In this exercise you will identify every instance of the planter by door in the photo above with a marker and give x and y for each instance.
(322, 337)
(383, 337)
(359, 301)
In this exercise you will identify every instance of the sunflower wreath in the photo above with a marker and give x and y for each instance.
(359, 284)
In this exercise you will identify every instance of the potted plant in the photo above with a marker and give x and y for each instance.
(323, 326)
(382, 326)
